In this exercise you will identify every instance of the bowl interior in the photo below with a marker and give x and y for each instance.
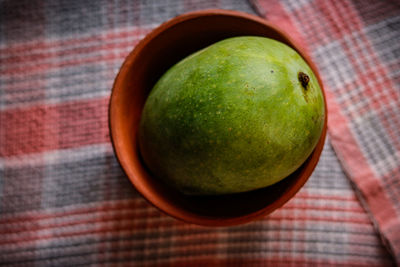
(161, 49)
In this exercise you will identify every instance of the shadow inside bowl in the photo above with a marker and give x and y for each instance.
(229, 205)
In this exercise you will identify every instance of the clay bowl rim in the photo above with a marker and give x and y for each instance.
(171, 209)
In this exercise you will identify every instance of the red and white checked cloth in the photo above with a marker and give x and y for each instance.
(64, 200)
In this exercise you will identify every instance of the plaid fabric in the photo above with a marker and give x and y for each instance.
(64, 201)
(356, 45)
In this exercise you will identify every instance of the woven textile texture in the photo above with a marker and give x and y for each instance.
(64, 200)
(356, 45)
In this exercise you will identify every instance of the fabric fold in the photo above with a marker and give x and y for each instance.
(346, 41)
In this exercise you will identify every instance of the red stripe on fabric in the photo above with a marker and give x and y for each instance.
(43, 215)
(125, 221)
(22, 131)
(121, 204)
(196, 237)
(378, 88)
(334, 12)
(353, 99)
(280, 17)
(101, 227)
(314, 34)
(129, 249)
(324, 208)
(269, 261)
(129, 223)
(375, 11)
(134, 208)
(34, 63)
(40, 68)
(18, 89)
(319, 219)
(30, 62)
(275, 258)
(44, 45)
(329, 197)
(205, 247)
(49, 127)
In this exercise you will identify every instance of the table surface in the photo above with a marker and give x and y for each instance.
(64, 200)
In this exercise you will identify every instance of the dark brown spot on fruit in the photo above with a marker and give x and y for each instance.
(304, 79)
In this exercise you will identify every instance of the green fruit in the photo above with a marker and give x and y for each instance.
(239, 115)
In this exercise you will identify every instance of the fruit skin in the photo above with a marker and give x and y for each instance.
(232, 117)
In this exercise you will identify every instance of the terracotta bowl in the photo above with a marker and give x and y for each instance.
(159, 50)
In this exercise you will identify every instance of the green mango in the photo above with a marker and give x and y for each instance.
(241, 114)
